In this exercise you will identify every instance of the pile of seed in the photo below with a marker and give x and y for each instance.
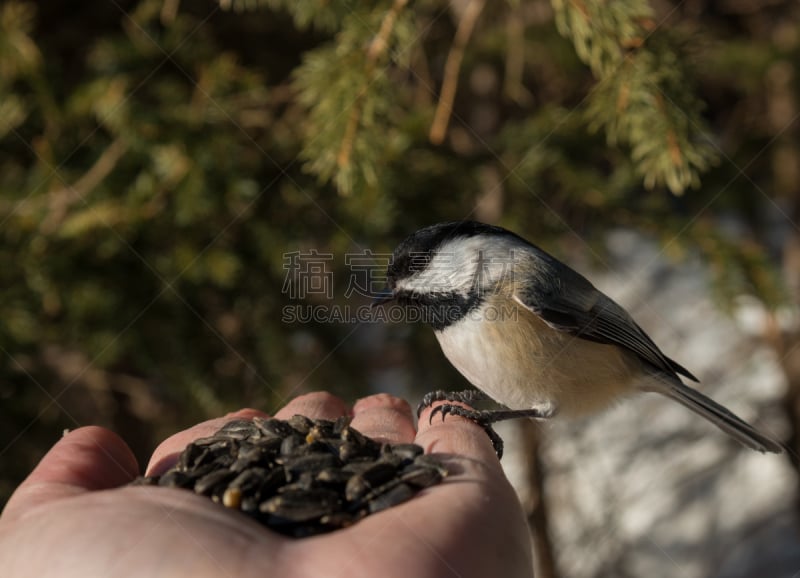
(300, 477)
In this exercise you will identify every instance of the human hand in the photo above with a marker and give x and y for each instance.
(71, 517)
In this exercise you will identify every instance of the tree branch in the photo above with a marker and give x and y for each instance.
(375, 50)
(451, 69)
(62, 199)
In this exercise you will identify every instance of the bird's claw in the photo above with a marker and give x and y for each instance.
(443, 409)
(480, 418)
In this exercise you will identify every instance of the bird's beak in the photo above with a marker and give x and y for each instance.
(383, 297)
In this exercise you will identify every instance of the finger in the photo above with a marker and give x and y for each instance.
(385, 418)
(86, 459)
(316, 405)
(166, 454)
(454, 435)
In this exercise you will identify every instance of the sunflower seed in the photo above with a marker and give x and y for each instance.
(300, 423)
(406, 451)
(311, 464)
(176, 479)
(421, 476)
(232, 498)
(273, 427)
(239, 429)
(397, 495)
(212, 481)
(301, 505)
(291, 443)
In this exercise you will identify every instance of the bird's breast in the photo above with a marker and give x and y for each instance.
(521, 362)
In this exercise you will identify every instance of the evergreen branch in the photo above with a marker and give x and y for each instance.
(452, 66)
(62, 199)
(641, 99)
(19, 54)
(13, 111)
(349, 97)
(169, 10)
(513, 85)
(376, 49)
(603, 31)
(325, 15)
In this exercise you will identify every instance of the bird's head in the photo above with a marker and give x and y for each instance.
(454, 265)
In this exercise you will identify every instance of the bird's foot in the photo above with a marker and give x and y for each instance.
(478, 417)
(486, 418)
(467, 396)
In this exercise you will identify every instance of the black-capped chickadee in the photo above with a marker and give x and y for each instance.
(533, 334)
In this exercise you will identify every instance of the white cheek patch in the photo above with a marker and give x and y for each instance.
(462, 264)
(448, 271)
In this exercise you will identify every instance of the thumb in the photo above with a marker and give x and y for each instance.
(89, 458)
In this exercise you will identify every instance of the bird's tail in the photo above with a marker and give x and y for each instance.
(723, 418)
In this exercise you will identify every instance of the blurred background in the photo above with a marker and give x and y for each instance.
(176, 176)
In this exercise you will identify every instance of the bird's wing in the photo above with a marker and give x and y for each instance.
(569, 302)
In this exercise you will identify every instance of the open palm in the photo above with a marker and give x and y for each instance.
(71, 517)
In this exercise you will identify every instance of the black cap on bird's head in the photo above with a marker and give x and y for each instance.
(416, 251)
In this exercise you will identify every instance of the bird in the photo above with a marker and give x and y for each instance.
(532, 334)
